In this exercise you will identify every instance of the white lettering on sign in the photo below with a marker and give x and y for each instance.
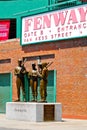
(56, 25)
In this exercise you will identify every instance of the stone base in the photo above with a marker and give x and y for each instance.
(34, 112)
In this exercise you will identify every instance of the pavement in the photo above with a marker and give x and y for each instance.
(65, 124)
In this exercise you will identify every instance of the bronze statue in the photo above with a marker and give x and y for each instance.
(43, 74)
(34, 81)
(19, 72)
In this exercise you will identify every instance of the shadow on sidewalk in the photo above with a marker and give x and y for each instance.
(2, 128)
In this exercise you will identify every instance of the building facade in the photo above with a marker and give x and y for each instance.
(67, 81)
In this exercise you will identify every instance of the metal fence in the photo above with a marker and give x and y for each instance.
(58, 4)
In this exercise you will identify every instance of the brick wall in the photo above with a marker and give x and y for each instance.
(84, 1)
(72, 77)
(70, 61)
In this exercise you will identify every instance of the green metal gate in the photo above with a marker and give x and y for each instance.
(5, 90)
(51, 87)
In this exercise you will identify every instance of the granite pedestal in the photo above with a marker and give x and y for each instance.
(34, 112)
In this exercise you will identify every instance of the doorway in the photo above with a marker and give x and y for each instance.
(5, 90)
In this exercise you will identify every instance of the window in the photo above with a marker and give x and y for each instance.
(65, 3)
(12, 31)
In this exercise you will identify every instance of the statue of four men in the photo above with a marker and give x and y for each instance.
(40, 72)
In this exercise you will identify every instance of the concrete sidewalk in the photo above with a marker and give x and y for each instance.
(66, 124)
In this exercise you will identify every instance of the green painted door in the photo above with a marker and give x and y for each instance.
(51, 87)
(5, 91)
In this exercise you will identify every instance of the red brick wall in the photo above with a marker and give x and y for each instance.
(70, 62)
(72, 77)
(84, 1)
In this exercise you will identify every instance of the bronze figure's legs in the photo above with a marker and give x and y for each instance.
(33, 85)
(20, 84)
(43, 90)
